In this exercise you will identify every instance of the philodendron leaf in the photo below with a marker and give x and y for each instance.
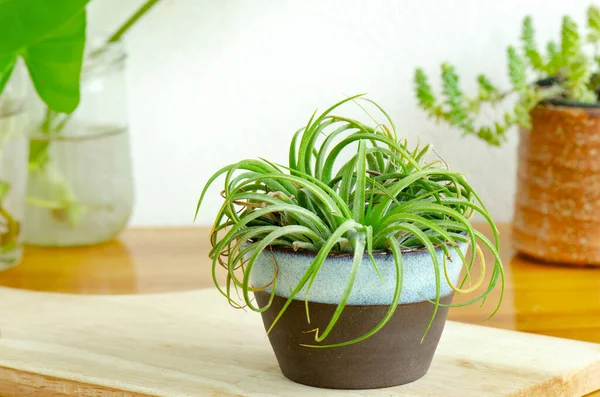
(55, 64)
(24, 22)
(50, 36)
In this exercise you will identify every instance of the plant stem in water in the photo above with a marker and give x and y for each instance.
(8, 238)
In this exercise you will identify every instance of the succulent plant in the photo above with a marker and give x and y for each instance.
(567, 71)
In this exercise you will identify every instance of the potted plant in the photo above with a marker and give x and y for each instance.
(557, 204)
(353, 251)
(47, 37)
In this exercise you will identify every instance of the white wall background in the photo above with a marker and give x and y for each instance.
(212, 82)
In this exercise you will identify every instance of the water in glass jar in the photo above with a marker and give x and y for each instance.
(83, 194)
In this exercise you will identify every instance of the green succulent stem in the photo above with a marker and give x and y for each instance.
(576, 78)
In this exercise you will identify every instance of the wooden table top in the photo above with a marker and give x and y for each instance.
(543, 299)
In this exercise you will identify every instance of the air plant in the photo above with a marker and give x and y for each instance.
(384, 197)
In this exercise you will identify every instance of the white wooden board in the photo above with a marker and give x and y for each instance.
(194, 344)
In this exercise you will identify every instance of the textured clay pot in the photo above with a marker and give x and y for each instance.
(391, 357)
(557, 205)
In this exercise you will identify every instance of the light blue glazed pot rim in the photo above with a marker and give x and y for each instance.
(381, 253)
(373, 285)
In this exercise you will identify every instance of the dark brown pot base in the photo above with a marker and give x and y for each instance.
(393, 356)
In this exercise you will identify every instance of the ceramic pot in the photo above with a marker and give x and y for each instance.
(557, 205)
(393, 356)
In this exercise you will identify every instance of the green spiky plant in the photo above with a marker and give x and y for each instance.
(385, 197)
(571, 70)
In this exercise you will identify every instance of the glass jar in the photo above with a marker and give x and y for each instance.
(80, 188)
(13, 166)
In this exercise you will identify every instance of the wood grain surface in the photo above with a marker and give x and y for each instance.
(189, 344)
(539, 298)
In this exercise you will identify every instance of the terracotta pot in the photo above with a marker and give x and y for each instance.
(557, 205)
(391, 357)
